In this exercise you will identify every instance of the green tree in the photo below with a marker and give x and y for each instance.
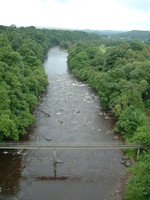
(111, 57)
(129, 121)
(139, 183)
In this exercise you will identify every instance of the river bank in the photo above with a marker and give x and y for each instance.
(74, 116)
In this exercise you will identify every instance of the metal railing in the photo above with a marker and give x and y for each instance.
(60, 145)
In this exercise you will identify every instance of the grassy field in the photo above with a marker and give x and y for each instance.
(103, 48)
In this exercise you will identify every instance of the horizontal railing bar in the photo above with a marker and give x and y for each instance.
(46, 145)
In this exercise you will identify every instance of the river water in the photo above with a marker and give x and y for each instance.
(69, 111)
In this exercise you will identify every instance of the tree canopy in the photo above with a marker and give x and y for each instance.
(119, 70)
(22, 76)
(121, 76)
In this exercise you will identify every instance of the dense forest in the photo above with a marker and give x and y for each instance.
(120, 73)
(22, 75)
(135, 34)
(123, 35)
(118, 70)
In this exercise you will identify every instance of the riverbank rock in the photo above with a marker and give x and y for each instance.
(60, 121)
(59, 161)
(5, 152)
(126, 161)
(45, 113)
(48, 139)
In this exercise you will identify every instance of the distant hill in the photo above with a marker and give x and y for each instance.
(135, 34)
(127, 35)
(104, 32)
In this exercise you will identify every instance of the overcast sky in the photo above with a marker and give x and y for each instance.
(77, 14)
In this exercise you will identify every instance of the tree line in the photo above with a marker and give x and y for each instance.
(120, 73)
(22, 76)
(117, 69)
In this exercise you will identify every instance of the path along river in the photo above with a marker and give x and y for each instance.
(75, 116)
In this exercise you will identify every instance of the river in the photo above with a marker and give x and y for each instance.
(69, 111)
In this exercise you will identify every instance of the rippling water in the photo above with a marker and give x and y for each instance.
(69, 111)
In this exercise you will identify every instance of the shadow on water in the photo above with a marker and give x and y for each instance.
(10, 172)
(52, 178)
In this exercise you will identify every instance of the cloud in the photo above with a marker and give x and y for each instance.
(62, 1)
(75, 14)
(143, 5)
(58, 1)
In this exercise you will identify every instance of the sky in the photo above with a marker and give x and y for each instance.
(77, 14)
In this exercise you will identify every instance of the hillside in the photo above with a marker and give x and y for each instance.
(104, 32)
(135, 34)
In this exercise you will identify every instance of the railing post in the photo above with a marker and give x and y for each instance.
(54, 156)
(138, 152)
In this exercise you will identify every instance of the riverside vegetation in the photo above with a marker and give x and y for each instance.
(22, 75)
(119, 70)
(121, 76)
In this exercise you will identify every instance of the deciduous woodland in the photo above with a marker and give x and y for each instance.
(119, 70)
(22, 75)
(120, 73)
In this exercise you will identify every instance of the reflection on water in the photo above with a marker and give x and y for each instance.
(69, 111)
(52, 178)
